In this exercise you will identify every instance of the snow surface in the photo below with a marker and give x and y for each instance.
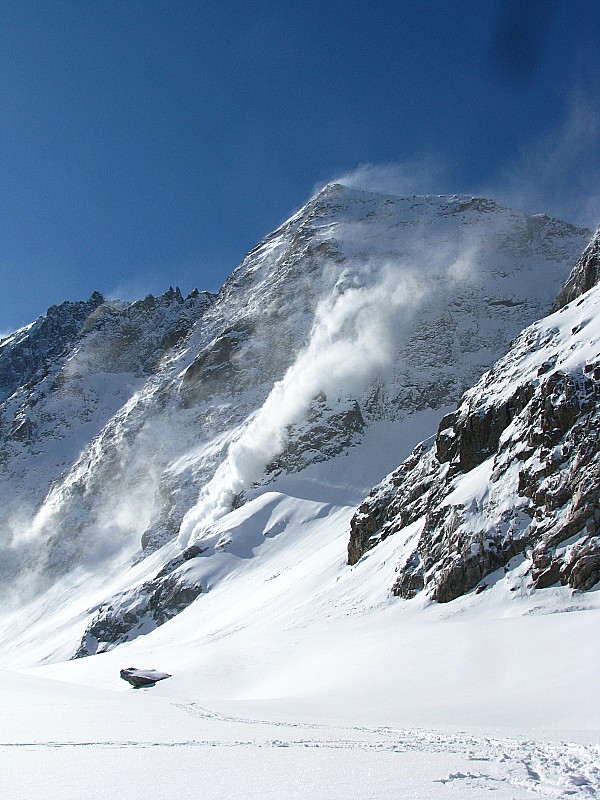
(94, 743)
(295, 675)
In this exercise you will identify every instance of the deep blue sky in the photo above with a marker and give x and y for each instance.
(149, 143)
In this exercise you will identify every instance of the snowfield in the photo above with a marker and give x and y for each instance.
(297, 676)
(93, 743)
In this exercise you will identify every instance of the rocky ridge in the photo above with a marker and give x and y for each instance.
(64, 379)
(585, 275)
(27, 354)
(513, 473)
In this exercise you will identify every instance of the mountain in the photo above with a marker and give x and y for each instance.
(186, 491)
(132, 434)
(510, 488)
(63, 379)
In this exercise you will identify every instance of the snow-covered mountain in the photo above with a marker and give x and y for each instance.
(183, 483)
(129, 430)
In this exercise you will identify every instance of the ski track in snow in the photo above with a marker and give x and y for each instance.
(553, 770)
(548, 769)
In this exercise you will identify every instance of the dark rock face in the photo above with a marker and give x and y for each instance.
(398, 502)
(559, 476)
(135, 337)
(142, 609)
(470, 438)
(535, 431)
(582, 570)
(469, 563)
(585, 274)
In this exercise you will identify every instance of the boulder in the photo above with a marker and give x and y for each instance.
(142, 677)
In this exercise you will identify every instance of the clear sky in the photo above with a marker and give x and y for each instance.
(147, 144)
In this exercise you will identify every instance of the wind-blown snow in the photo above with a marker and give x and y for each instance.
(353, 340)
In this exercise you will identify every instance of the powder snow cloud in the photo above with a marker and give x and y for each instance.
(357, 329)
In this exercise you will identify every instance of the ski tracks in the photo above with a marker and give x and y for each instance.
(549, 769)
(513, 768)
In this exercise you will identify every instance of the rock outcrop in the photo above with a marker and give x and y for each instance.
(585, 275)
(27, 355)
(515, 470)
(143, 677)
(136, 612)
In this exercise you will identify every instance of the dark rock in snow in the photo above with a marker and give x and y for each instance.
(141, 609)
(585, 275)
(143, 677)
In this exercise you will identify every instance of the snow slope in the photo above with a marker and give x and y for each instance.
(299, 676)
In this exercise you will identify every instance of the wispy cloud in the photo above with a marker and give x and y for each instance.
(423, 174)
(559, 173)
(556, 173)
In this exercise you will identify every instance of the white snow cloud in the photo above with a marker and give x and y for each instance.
(356, 332)
(69, 531)
(352, 341)
(422, 174)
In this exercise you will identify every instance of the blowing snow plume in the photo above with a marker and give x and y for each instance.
(352, 341)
